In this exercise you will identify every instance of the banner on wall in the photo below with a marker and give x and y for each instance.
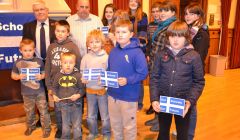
(11, 26)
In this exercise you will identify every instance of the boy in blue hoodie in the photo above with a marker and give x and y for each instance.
(129, 61)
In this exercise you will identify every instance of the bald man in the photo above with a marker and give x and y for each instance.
(82, 23)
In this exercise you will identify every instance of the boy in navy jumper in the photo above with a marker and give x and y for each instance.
(129, 61)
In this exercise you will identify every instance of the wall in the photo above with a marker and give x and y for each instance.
(101, 5)
(214, 6)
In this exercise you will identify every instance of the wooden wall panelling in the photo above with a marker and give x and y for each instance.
(214, 44)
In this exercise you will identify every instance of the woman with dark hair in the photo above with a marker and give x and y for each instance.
(194, 17)
(108, 13)
(107, 19)
(140, 23)
(167, 16)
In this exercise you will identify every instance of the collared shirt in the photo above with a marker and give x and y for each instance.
(79, 28)
(47, 38)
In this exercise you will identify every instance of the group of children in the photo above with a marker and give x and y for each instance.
(176, 71)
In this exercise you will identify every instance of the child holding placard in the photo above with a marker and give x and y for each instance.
(177, 72)
(32, 90)
(96, 95)
(128, 60)
(67, 90)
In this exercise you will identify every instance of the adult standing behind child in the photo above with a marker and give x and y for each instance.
(96, 95)
(152, 27)
(194, 17)
(53, 64)
(82, 23)
(128, 60)
(32, 90)
(67, 91)
(177, 72)
(32, 30)
(167, 15)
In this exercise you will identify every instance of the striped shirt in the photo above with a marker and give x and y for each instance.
(79, 28)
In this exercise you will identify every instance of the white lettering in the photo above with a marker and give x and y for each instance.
(9, 59)
(11, 27)
(1, 57)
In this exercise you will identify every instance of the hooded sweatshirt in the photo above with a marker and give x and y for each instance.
(130, 63)
(52, 66)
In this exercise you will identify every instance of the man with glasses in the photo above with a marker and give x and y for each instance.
(32, 30)
(81, 23)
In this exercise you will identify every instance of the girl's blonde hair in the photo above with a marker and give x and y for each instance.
(178, 28)
(95, 34)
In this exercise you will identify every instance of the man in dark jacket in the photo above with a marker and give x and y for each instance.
(32, 30)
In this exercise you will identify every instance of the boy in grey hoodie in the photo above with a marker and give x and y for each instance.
(52, 67)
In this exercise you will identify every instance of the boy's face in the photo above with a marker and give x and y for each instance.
(61, 33)
(156, 13)
(123, 36)
(190, 17)
(27, 51)
(95, 45)
(177, 42)
(68, 64)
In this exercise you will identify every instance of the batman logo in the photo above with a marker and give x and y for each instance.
(67, 81)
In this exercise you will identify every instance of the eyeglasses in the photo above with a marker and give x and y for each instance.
(39, 10)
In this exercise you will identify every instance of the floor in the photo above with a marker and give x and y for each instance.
(218, 114)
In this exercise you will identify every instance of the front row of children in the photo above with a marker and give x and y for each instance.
(176, 63)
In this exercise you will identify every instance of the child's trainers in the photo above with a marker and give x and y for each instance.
(46, 134)
(29, 131)
(91, 137)
(106, 137)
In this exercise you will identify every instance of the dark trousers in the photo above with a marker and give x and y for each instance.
(141, 95)
(192, 123)
(182, 125)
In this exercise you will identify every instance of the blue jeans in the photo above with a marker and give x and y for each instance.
(71, 118)
(192, 123)
(58, 116)
(94, 102)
